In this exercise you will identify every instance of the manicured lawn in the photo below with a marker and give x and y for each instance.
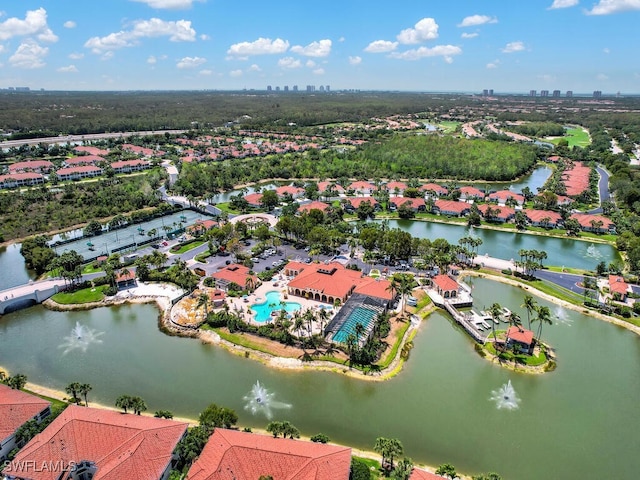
(54, 401)
(86, 295)
(576, 137)
(226, 207)
(530, 360)
(386, 360)
(188, 246)
(448, 127)
(89, 268)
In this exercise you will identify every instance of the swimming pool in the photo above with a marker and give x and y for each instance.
(361, 315)
(272, 303)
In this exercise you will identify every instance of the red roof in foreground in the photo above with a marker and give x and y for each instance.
(122, 446)
(418, 474)
(445, 283)
(618, 285)
(16, 407)
(231, 455)
(520, 334)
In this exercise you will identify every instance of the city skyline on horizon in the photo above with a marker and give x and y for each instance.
(458, 47)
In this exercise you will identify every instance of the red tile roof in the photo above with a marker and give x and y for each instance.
(520, 334)
(414, 203)
(31, 165)
(313, 206)
(439, 189)
(253, 198)
(576, 178)
(618, 285)
(122, 446)
(391, 186)
(231, 455)
(332, 280)
(290, 189)
(356, 201)
(418, 474)
(585, 219)
(362, 185)
(20, 176)
(536, 216)
(502, 212)
(129, 163)
(80, 169)
(445, 283)
(90, 150)
(324, 186)
(235, 273)
(17, 407)
(84, 159)
(125, 276)
(374, 287)
(504, 195)
(451, 206)
(471, 192)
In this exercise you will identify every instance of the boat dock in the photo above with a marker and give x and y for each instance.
(470, 321)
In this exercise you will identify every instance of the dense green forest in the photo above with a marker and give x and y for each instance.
(43, 209)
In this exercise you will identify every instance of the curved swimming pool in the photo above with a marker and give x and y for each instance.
(272, 303)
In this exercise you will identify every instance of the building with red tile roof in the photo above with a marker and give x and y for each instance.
(17, 408)
(201, 226)
(446, 286)
(394, 186)
(327, 283)
(576, 178)
(25, 179)
(83, 160)
(503, 196)
(543, 218)
(418, 474)
(452, 207)
(118, 446)
(236, 274)
(254, 199)
(315, 205)
(353, 203)
(145, 152)
(38, 166)
(125, 278)
(497, 213)
(77, 173)
(434, 189)
(362, 188)
(471, 193)
(522, 337)
(295, 192)
(90, 150)
(416, 204)
(128, 166)
(231, 455)
(618, 287)
(593, 223)
(330, 187)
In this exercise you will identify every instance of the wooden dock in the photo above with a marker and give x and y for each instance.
(465, 320)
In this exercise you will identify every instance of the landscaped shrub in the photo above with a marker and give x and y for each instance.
(359, 470)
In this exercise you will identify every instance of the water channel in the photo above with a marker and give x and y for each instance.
(579, 421)
(505, 245)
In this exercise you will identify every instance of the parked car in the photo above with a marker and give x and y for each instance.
(255, 259)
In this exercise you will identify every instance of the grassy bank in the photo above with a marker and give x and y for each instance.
(85, 295)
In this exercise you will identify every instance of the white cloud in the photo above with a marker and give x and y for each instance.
(167, 4)
(204, 36)
(34, 24)
(607, 7)
(425, 29)
(254, 68)
(310, 64)
(235, 73)
(178, 31)
(1, 48)
(190, 62)
(261, 46)
(69, 24)
(445, 51)
(206, 72)
(107, 56)
(469, 35)
(341, 39)
(381, 46)
(318, 71)
(563, 4)
(512, 47)
(76, 56)
(68, 69)
(29, 55)
(493, 64)
(314, 49)
(475, 20)
(548, 78)
(355, 60)
(152, 60)
(289, 62)
(602, 77)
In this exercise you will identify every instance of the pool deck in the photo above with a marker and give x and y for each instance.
(279, 283)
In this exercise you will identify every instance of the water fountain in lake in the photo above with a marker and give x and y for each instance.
(81, 338)
(560, 316)
(261, 400)
(593, 252)
(505, 397)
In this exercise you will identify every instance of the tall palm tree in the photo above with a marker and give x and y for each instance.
(323, 316)
(514, 321)
(543, 316)
(495, 311)
(84, 390)
(530, 305)
(203, 301)
(298, 323)
(73, 389)
(359, 330)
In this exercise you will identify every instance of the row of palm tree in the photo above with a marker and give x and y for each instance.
(76, 389)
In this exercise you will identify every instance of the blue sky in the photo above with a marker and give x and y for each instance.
(419, 45)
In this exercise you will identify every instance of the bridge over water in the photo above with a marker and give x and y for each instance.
(29, 294)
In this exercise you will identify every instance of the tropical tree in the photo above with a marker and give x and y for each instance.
(403, 469)
(73, 389)
(124, 402)
(388, 448)
(138, 405)
(275, 428)
(487, 476)
(319, 438)
(530, 305)
(17, 382)
(447, 470)
(214, 416)
(288, 430)
(543, 315)
(203, 301)
(163, 414)
(191, 445)
(495, 311)
(84, 390)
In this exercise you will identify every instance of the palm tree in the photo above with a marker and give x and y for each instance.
(298, 323)
(84, 390)
(323, 316)
(514, 321)
(124, 402)
(359, 330)
(138, 405)
(203, 301)
(72, 389)
(495, 311)
(530, 305)
(543, 316)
